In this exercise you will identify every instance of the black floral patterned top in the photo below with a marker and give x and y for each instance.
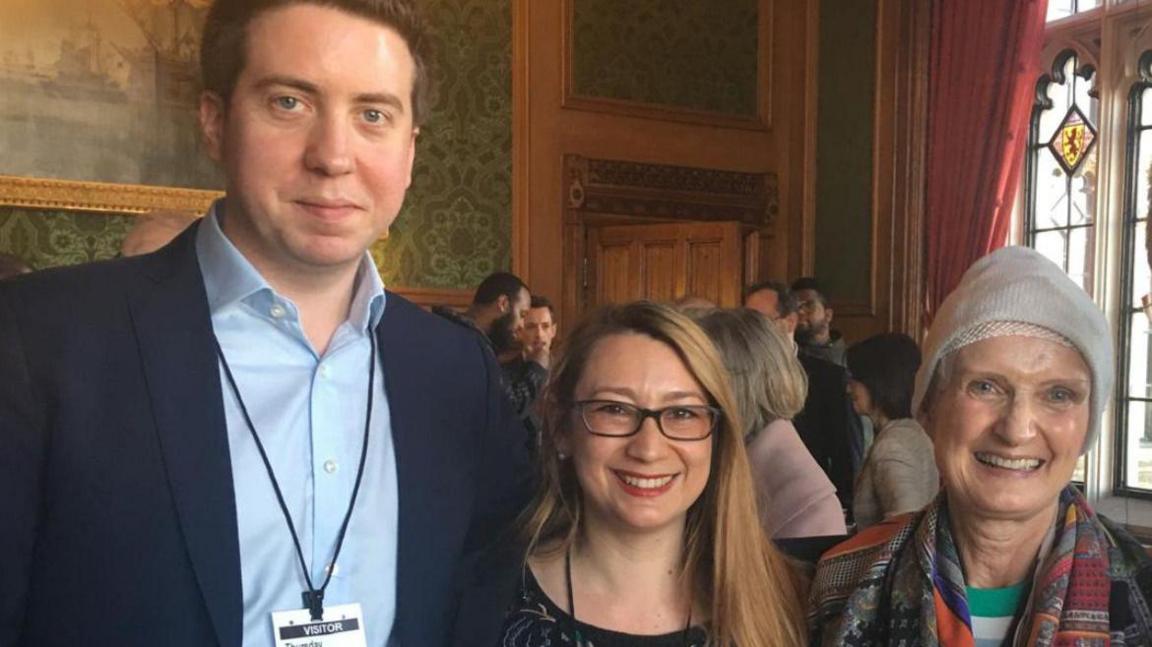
(535, 621)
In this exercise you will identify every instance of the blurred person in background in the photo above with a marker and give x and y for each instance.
(899, 473)
(796, 498)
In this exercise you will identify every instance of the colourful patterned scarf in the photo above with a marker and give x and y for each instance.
(901, 583)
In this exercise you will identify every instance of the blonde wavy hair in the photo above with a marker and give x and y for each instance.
(730, 567)
(770, 382)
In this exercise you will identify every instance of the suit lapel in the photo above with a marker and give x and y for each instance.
(173, 326)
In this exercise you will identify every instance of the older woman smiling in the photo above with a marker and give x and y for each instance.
(1018, 369)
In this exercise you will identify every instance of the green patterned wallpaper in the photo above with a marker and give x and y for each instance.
(683, 53)
(52, 238)
(456, 225)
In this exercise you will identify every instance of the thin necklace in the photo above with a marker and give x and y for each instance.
(576, 635)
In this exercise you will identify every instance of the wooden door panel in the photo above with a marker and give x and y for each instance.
(615, 275)
(658, 271)
(704, 273)
(665, 262)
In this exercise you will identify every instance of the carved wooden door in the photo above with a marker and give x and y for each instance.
(664, 262)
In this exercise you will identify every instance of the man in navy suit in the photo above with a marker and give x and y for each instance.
(242, 439)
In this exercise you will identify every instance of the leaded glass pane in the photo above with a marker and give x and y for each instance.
(1080, 256)
(1051, 192)
(1058, 9)
(1062, 98)
(1053, 245)
(1139, 446)
(1141, 275)
(1081, 92)
(1063, 171)
(1141, 175)
(1138, 364)
(1083, 192)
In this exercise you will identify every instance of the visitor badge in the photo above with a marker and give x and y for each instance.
(340, 626)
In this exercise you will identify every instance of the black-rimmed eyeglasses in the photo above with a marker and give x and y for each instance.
(617, 419)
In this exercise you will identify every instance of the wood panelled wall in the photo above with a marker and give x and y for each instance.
(893, 265)
(550, 124)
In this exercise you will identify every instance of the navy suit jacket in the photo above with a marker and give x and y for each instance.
(118, 514)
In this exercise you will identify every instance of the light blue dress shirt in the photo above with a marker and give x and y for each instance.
(309, 411)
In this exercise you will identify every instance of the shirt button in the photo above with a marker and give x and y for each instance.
(277, 311)
(324, 371)
(330, 466)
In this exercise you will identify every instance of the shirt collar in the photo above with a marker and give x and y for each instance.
(230, 278)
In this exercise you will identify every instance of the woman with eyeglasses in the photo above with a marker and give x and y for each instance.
(644, 531)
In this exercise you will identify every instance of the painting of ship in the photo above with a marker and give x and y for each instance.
(102, 90)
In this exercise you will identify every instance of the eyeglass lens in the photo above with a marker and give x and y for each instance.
(610, 418)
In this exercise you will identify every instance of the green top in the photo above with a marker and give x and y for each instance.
(995, 603)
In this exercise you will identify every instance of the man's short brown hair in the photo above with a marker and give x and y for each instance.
(224, 45)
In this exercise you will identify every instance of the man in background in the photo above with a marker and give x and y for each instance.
(774, 300)
(497, 313)
(538, 331)
(814, 330)
(828, 425)
(529, 369)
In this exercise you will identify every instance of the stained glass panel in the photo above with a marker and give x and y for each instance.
(1062, 173)
(1073, 140)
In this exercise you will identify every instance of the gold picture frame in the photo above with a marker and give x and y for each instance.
(100, 197)
(98, 106)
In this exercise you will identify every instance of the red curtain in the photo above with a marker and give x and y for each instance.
(983, 68)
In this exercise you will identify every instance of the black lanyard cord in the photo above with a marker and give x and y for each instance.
(313, 598)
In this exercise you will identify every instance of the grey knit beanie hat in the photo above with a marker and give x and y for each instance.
(1019, 286)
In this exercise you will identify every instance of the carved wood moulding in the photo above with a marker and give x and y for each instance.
(43, 193)
(670, 193)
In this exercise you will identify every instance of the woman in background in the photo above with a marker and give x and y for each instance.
(899, 472)
(795, 497)
(644, 531)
